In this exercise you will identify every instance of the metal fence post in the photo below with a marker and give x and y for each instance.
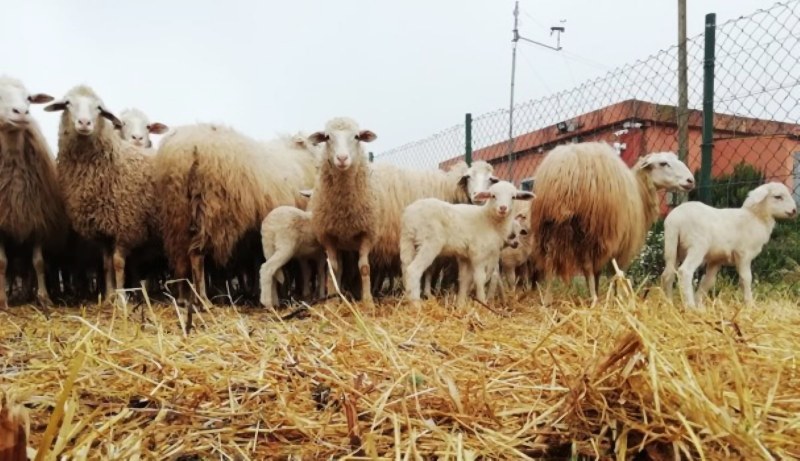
(708, 109)
(468, 139)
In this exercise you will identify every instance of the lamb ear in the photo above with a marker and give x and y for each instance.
(755, 196)
(482, 195)
(56, 106)
(40, 98)
(318, 137)
(463, 181)
(157, 128)
(366, 136)
(524, 195)
(307, 192)
(111, 117)
(646, 162)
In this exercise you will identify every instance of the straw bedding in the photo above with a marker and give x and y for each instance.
(513, 382)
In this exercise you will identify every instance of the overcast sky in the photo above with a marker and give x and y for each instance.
(404, 69)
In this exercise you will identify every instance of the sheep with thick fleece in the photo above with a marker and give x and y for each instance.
(107, 183)
(136, 128)
(285, 234)
(473, 234)
(31, 204)
(698, 234)
(216, 186)
(344, 203)
(591, 207)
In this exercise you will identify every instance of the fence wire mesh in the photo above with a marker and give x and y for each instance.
(756, 136)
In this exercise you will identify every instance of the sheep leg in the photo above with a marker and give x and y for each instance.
(668, 280)
(3, 267)
(333, 260)
(269, 295)
(422, 261)
(479, 275)
(118, 260)
(588, 274)
(197, 260)
(746, 280)
(546, 286)
(321, 277)
(41, 286)
(363, 267)
(693, 260)
(108, 272)
(305, 278)
(706, 282)
(426, 286)
(464, 281)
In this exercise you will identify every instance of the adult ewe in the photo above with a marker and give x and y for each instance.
(590, 207)
(31, 204)
(216, 186)
(697, 234)
(344, 200)
(136, 128)
(107, 183)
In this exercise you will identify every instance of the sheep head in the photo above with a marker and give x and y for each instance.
(478, 177)
(83, 111)
(136, 128)
(772, 199)
(666, 171)
(499, 197)
(342, 138)
(15, 103)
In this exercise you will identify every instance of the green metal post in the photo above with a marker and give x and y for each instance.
(371, 157)
(708, 110)
(468, 139)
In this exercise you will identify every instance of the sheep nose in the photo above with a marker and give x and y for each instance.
(690, 181)
(21, 111)
(503, 208)
(341, 158)
(793, 212)
(85, 122)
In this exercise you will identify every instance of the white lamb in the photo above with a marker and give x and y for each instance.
(136, 128)
(697, 233)
(285, 234)
(515, 253)
(473, 234)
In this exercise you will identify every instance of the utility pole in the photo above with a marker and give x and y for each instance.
(516, 38)
(683, 92)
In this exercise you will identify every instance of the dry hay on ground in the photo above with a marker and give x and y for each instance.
(396, 382)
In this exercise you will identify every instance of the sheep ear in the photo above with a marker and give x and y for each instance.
(40, 98)
(56, 106)
(524, 195)
(520, 217)
(463, 181)
(366, 136)
(494, 179)
(482, 195)
(307, 192)
(755, 196)
(108, 115)
(157, 128)
(646, 162)
(317, 138)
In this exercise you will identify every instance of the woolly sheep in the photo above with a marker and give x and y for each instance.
(698, 234)
(31, 204)
(285, 234)
(593, 208)
(107, 183)
(344, 200)
(136, 128)
(216, 186)
(473, 234)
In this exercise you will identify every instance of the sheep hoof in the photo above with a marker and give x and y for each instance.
(44, 301)
(3, 304)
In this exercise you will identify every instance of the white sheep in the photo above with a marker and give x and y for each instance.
(136, 128)
(515, 253)
(285, 234)
(473, 234)
(700, 234)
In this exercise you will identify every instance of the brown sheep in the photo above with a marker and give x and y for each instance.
(590, 207)
(31, 204)
(216, 185)
(107, 183)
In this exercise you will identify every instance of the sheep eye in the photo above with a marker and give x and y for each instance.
(778, 197)
(664, 164)
(523, 232)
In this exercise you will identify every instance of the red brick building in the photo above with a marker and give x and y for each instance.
(641, 127)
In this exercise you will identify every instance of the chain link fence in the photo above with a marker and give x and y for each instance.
(742, 93)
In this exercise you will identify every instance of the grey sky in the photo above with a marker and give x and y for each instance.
(403, 69)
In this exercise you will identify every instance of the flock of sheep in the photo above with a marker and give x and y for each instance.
(216, 207)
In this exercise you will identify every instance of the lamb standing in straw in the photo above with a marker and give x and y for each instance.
(591, 208)
(697, 234)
